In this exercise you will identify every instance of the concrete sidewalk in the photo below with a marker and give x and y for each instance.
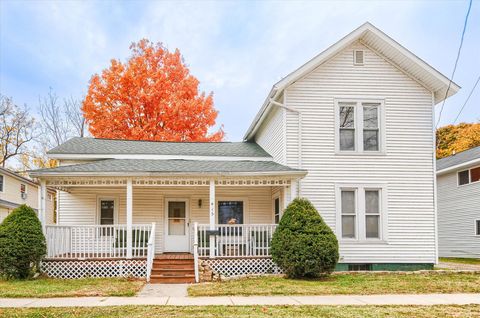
(410, 299)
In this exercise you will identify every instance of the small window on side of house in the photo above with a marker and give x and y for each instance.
(477, 227)
(1, 183)
(463, 177)
(23, 188)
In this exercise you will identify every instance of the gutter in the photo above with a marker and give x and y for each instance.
(299, 173)
(261, 114)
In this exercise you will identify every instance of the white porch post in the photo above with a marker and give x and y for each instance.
(293, 190)
(212, 217)
(129, 217)
(42, 204)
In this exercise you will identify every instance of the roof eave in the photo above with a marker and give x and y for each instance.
(458, 166)
(43, 174)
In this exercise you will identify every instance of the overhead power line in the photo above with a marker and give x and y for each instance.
(456, 61)
(466, 101)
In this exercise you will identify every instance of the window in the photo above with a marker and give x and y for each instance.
(361, 211)
(370, 127)
(477, 227)
(469, 176)
(1, 183)
(359, 127)
(230, 212)
(23, 188)
(348, 214)
(359, 267)
(276, 210)
(372, 213)
(107, 212)
(347, 127)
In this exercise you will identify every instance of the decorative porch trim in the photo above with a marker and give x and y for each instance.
(63, 183)
(74, 269)
(230, 267)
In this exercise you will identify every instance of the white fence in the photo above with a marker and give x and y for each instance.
(96, 241)
(230, 241)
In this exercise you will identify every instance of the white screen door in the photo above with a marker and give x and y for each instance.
(176, 231)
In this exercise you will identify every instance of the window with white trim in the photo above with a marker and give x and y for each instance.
(1, 182)
(477, 227)
(276, 210)
(358, 126)
(361, 212)
(469, 176)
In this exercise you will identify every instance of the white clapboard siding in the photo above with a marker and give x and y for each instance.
(79, 206)
(270, 135)
(458, 208)
(407, 167)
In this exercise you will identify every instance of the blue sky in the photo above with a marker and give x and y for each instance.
(238, 50)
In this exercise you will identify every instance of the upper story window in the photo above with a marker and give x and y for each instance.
(358, 127)
(469, 176)
(1, 183)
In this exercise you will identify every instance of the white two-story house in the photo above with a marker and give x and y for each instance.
(352, 130)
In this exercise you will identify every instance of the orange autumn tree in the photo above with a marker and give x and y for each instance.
(152, 96)
(455, 138)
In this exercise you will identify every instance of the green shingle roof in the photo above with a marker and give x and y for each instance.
(94, 146)
(153, 166)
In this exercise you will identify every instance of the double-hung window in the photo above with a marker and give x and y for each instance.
(361, 211)
(358, 127)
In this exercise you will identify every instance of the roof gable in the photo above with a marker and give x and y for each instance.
(382, 44)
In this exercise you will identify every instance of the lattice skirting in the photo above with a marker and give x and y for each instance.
(95, 268)
(242, 266)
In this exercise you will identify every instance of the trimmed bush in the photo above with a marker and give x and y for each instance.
(22, 244)
(303, 244)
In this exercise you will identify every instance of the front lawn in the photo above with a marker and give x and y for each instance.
(50, 287)
(470, 261)
(353, 284)
(251, 311)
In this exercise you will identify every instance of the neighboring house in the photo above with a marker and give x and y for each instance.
(16, 190)
(458, 184)
(352, 130)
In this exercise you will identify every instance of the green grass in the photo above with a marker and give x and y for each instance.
(50, 287)
(360, 284)
(470, 261)
(251, 311)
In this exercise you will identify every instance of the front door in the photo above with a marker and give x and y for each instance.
(176, 226)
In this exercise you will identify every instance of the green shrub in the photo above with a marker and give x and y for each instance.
(22, 243)
(303, 245)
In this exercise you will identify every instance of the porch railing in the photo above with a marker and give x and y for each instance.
(96, 241)
(239, 240)
(150, 252)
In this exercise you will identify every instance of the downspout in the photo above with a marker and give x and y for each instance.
(434, 159)
(286, 108)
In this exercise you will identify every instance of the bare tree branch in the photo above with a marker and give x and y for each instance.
(17, 129)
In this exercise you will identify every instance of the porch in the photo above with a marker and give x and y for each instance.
(134, 220)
